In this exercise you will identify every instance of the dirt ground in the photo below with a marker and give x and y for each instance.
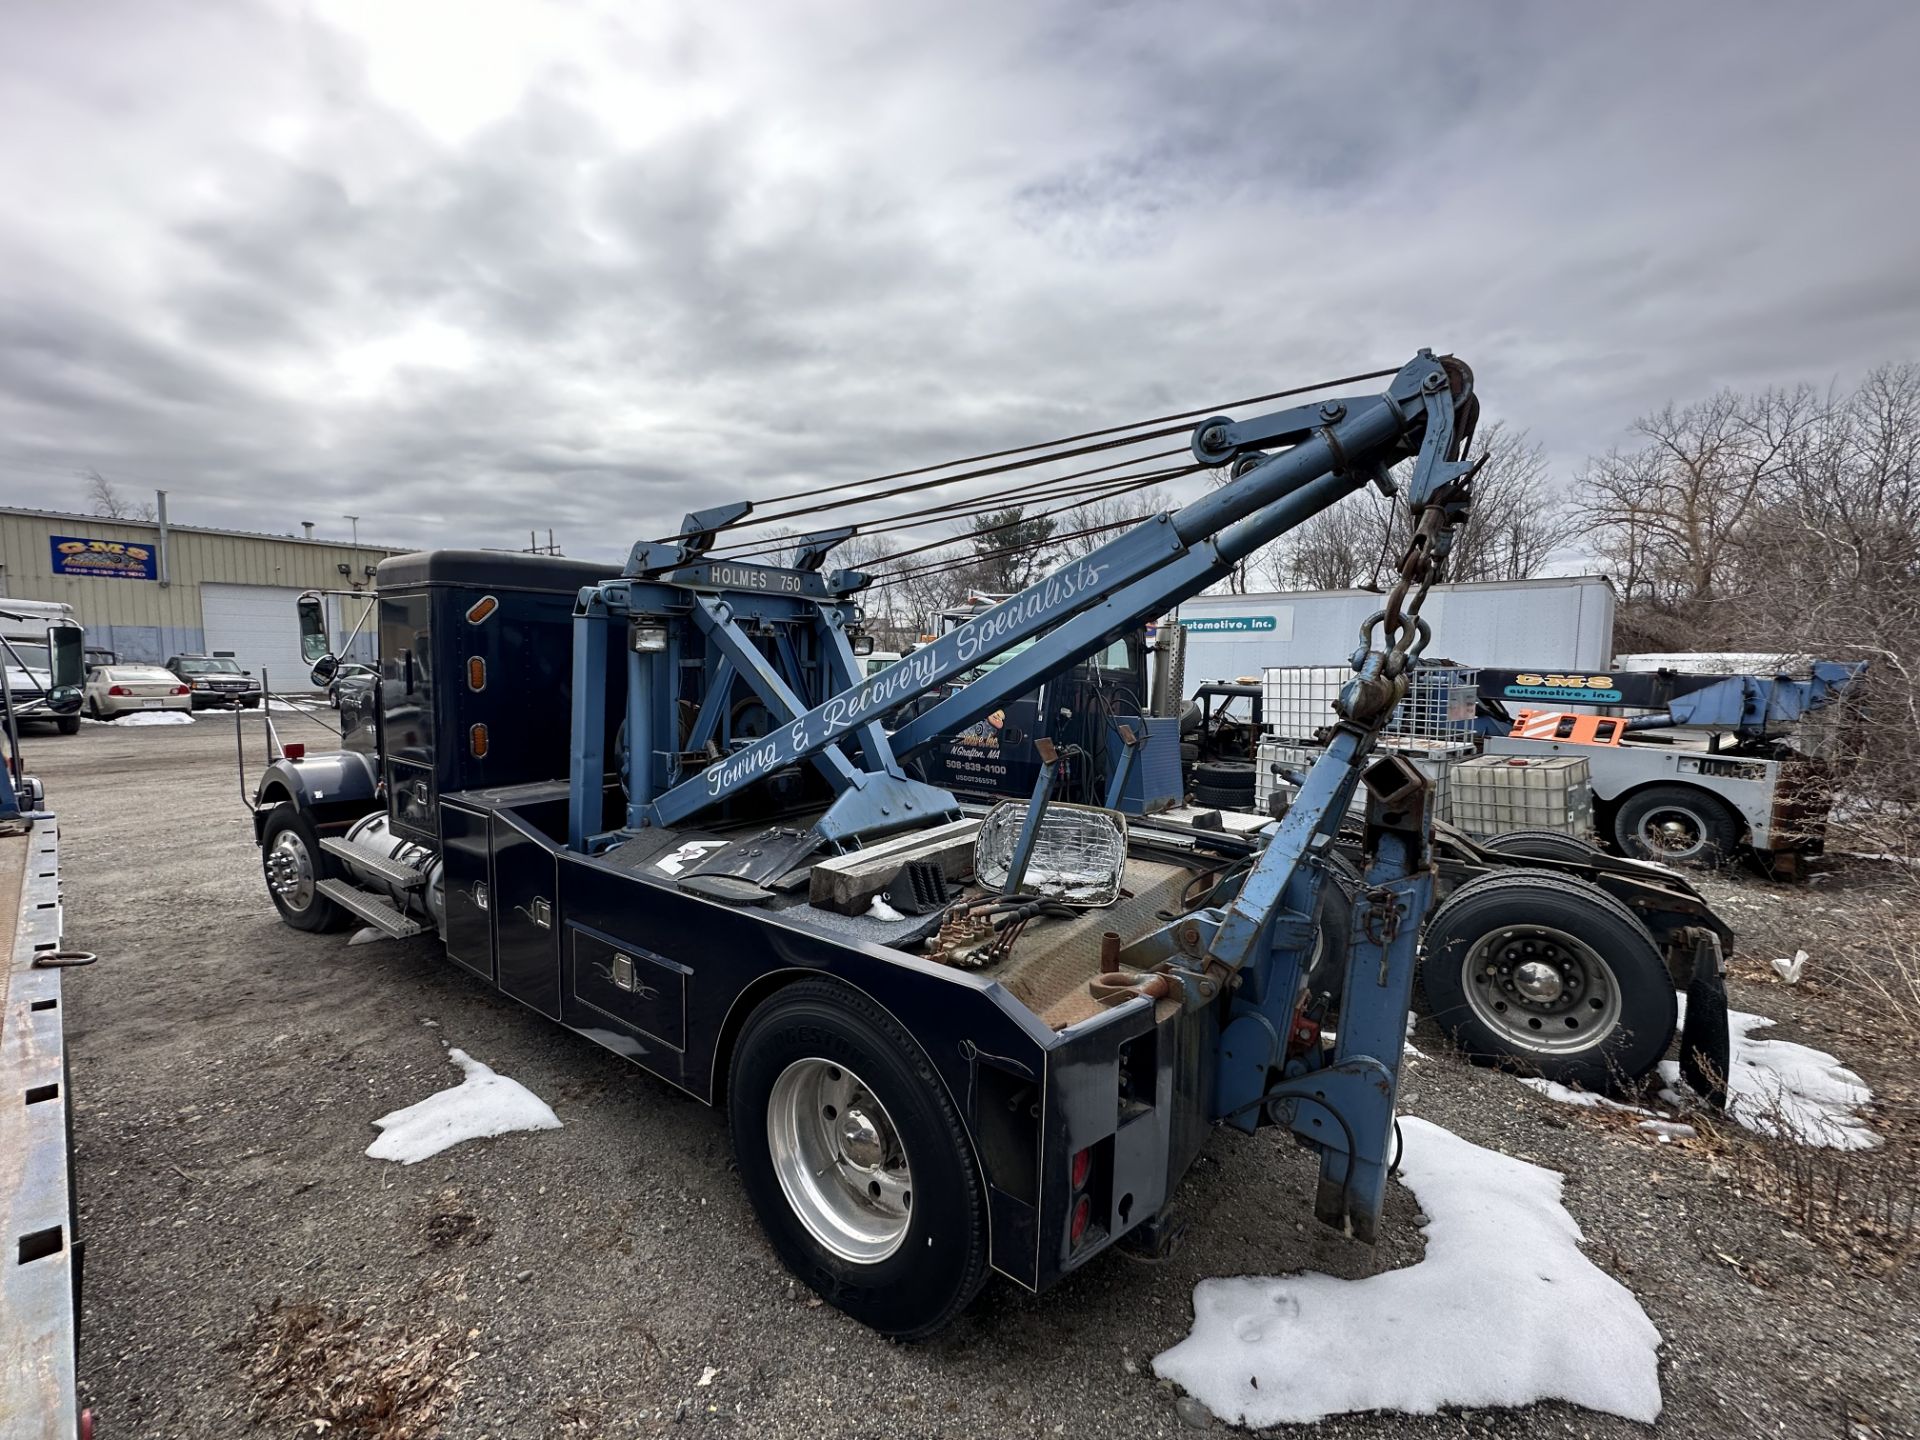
(249, 1270)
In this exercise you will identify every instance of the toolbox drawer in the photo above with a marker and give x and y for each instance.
(643, 991)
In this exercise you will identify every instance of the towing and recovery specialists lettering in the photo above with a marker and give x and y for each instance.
(978, 639)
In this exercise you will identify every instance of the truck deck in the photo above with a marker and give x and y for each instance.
(40, 1269)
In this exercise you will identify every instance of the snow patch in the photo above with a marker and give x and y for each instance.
(483, 1104)
(144, 717)
(880, 910)
(1407, 1047)
(1788, 1091)
(1500, 1250)
(1587, 1098)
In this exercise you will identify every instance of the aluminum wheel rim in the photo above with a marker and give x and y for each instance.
(839, 1160)
(290, 870)
(1549, 990)
(1673, 832)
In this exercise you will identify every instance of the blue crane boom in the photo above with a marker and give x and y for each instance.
(809, 680)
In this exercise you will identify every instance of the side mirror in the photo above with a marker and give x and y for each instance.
(67, 645)
(313, 627)
(324, 669)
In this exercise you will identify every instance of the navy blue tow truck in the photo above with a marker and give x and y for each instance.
(948, 1043)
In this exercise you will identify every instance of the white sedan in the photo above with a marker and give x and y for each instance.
(114, 690)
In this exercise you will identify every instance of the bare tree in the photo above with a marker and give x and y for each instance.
(1516, 526)
(108, 501)
(1787, 524)
(1106, 518)
(1348, 545)
(1669, 514)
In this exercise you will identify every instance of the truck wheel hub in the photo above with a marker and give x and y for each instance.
(1538, 981)
(1542, 989)
(861, 1143)
(839, 1160)
(290, 871)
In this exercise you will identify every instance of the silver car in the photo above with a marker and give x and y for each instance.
(115, 690)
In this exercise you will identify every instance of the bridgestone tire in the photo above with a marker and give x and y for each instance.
(1715, 830)
(941, 1263)
(1542, 845)
(319, 914)
(1565, 921)
(1223, 799)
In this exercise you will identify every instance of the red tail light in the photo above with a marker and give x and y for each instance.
(118, 690)
(294, 750)
(1082, 1167)
(1082, 1217)
(181, 690)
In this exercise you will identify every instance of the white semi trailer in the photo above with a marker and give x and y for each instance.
(1496, 623)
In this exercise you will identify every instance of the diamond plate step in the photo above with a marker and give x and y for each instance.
(392, 871)
(376, 910)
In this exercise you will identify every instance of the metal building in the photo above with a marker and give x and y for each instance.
(147, 590)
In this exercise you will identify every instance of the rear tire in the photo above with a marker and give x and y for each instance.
(294, 865)
(1551, 976)
(1542, 845)
(67, 724)
(1676, 825)
(855, 1160)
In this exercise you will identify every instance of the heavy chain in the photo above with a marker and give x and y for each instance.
(1382, 682)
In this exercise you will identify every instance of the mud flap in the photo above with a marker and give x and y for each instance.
(1706, 1049)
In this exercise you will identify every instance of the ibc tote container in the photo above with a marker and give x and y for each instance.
(1495, 794)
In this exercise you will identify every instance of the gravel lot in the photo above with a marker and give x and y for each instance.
(580, 1282)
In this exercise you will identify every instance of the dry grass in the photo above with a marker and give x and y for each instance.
(338, 1375)
(1864, 1204)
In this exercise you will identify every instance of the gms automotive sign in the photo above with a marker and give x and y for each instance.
(105, 559)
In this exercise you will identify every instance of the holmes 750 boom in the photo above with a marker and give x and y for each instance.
(659, 809)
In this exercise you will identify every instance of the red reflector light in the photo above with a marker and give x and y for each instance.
(294, 751)
(1082, 1217)
(1082, 1167)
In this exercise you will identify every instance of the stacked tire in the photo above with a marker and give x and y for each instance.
(1224, 784)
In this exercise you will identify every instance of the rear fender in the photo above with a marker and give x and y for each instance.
(336, 787)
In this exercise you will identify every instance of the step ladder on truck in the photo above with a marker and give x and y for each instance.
(1008, 1065)
(40, 1266)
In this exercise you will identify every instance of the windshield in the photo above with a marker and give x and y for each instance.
(34, 657)
(209, 667)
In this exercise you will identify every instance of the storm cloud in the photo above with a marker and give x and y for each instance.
(467, 270)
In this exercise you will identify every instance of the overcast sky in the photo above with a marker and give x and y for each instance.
(471, 268)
